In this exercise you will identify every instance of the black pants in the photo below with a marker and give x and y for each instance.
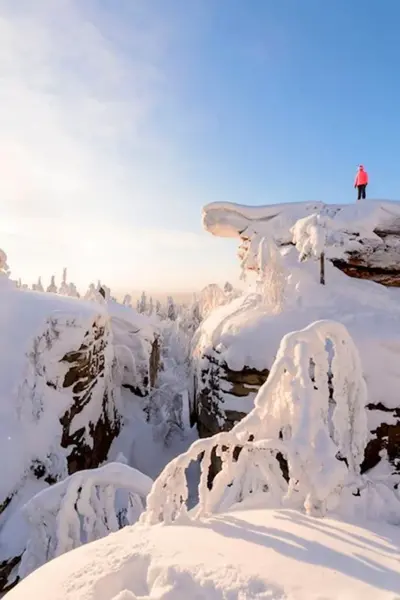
(361, 191)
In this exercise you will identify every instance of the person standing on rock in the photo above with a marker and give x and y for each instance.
(361, 182)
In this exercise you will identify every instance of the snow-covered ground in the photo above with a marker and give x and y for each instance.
(274, 555)
(332, 351)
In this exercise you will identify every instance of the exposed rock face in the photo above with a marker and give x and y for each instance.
(370, 248)
(59, 388)
(86, 372)
(81, 381)
(215, 408)
(218, 384)
(384, 439)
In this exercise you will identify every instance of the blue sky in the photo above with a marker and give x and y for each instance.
(122, 118)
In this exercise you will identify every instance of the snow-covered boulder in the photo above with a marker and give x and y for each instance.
(368, 247)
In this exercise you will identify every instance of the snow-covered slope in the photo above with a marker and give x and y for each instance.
(254, 554)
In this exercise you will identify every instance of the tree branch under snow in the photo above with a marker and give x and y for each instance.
(84, 507)
(322, 439)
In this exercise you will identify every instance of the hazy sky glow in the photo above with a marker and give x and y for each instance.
(86, 179)
(120, 118)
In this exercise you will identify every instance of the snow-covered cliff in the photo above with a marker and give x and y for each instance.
(368, 247)
(236, 345)
(62, 365)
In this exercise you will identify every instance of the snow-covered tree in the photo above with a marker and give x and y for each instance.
(171, 309)
(52, 288)
(311, 235)
(72, 291)
(164, 405)
(38, 287)
(195, 313)
(64, 287)
(159, 312)
(142, 308)
(271, 279)
(211, 297)
(228, 288)
(91, 293)
(82, 508)
(127, 301)
(4, 270)
(302, 445)
(150, 308)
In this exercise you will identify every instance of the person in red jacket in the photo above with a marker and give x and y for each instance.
(361, 182)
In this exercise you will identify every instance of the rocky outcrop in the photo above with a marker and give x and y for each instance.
(247, 333)
(218, 384)
(88, 446)
(79, 380)
(61, 406)
(385, 439)
(223, 396)
(369, 247)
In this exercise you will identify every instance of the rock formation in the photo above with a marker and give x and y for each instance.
(370, 248)
(60, 394)
(235, 347)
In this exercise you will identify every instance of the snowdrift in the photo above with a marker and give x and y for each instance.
(236, 556)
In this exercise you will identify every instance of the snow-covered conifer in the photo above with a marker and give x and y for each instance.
(3, 262)
(228, 288)
(159, 309)
(311, 236)
(91, 293)
(72, 291)
(38, 287)
(143, 304)
(150, 308)
(127, 301)
(52, 288)
(64, 287)
(171, 309)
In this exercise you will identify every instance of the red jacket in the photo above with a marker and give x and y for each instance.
(361, 177)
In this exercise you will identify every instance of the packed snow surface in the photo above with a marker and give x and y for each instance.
(274, 555)
(246, 333)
